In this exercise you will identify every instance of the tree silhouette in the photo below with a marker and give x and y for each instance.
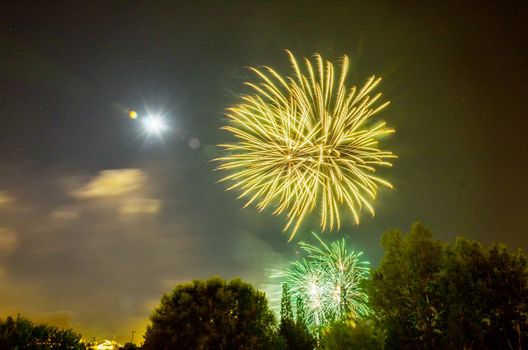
(427, 295)
(212, 314)
(21, 333)
(295, 334)
(300, 312)
(286, 305)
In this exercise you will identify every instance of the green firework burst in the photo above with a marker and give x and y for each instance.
(328, 280)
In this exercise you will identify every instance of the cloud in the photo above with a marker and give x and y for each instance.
(5, 198)
(72, 239)
(124, 190)
(60, 319)
(261, 262)
(66, 214)
(112, 183)
(8, 244)
(105, 247)
(8, 241)
(135, 206)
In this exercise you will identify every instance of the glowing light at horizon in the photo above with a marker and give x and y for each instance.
(303, 142)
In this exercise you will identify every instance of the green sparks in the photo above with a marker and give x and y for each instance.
(328, 280)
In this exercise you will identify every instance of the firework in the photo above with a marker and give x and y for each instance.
(328, 281)
(305, 141)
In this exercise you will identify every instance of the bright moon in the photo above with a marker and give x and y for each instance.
(154, 124)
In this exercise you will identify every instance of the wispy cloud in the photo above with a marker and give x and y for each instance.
(5, 198)
(8, 241)
(112, 183)
(66, 213)
(97, 251)
(137, 206)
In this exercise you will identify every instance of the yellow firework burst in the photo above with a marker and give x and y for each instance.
(304, 142)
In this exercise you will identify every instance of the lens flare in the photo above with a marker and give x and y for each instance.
(304, 142)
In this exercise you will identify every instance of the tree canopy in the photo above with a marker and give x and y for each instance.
(293, 332)
(21, 333)
(428, 295)
(425, 295)
(212, 314)
(352, 335)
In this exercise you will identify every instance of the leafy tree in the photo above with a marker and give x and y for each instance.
(212, 314)
(130, 346)
(300, 312)
(21, 333)
(402, 289)
(484, 297)
(351, 335)
(295, 334)
(433, 296)
(286, 306)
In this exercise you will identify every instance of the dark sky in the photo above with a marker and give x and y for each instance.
(96, 222)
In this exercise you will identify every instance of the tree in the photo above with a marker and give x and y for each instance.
(352, 335)
(295, 334)
(21, 333)
(402, 288)
(427, 295)
(300, 312)
(130, 346)
(484, 297)
(212, 314)
(286, 305)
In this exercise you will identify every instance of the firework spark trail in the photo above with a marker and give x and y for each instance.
(303, 142)
(329, 280)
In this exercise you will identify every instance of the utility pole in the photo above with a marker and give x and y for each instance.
(132, 341)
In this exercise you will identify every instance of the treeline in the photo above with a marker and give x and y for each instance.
(424, 294)
(21, 333)
(429, 295)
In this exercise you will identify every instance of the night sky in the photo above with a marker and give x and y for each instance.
(97, 221)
